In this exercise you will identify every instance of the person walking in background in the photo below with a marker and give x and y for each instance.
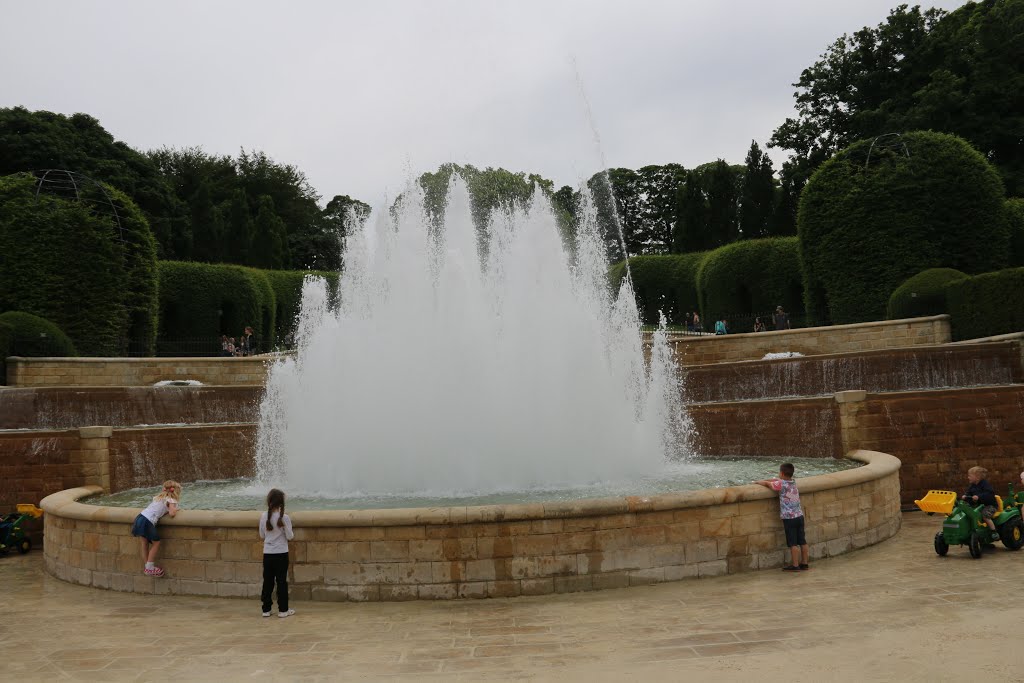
(696, 322)
(781, 319)
(758, 325)
(721, 327)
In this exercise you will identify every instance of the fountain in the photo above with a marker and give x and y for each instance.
(457, 364)
(477, 417)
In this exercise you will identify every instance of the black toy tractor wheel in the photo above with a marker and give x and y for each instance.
(1012, 534)
(24, 545)
(975, 544)
(941, 547)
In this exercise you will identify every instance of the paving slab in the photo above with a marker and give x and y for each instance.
(894, 611)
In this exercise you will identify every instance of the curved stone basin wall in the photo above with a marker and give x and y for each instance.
(485, 551)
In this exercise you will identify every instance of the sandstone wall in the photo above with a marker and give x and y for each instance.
(97, 372)
(939, 435)
(886, 334)
(477, 552)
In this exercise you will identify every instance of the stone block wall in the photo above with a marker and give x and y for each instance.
(478, 552)
(128, 372)
(35, 464)
(70, 407)
(886, 334)
(939, 435)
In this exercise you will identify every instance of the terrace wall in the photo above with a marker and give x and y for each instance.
(130, 372)
(885, 334)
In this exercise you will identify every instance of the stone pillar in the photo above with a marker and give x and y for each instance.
(93, 456)
(850, 405)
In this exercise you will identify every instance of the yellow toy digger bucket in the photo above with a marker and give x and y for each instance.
(29, 509)
(937, 501)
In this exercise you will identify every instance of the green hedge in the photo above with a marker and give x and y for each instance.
(24, 334)
(924, 294)
(751, 276)
(203, 301)
(662, 283)
(883, 210)
(67, 261)
(141, 300)
(287, 286)
(1015, 215)
(988, 304)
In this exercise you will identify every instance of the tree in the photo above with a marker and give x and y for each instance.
(691, 231)
(268, 248)
(656, 188)
(961, 73)
(33, 141)
(722, 190)
(757, 196)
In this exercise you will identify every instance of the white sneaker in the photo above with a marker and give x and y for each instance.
(266, 614)
(286, 614)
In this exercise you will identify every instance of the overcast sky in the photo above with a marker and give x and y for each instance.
(361, 94)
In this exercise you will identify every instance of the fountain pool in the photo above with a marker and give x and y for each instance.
(248, 494)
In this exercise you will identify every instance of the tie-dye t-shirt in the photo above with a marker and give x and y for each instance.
(789, 498)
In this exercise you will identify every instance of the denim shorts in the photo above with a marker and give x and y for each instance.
(794, 531)
(145, 528)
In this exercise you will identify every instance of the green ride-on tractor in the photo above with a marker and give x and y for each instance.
(12, 528)
(964, 524)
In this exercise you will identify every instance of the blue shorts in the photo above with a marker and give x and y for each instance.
(145, 528)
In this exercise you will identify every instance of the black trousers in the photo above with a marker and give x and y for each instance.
(275, 569)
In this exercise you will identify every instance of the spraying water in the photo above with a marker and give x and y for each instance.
(447, 368)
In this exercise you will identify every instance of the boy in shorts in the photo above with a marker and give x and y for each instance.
(980, 491)
(792, 516)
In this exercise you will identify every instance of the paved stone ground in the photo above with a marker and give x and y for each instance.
(891, 612)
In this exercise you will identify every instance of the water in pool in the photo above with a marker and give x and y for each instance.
(247, 494)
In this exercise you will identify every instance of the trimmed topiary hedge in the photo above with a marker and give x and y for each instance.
(68, 262)
(751, 276)
(924, 294)
(24, 334)
(204, 301)
(884, 209)
(287, 286)
(988, 304)
(1015, 216)
(666, 283)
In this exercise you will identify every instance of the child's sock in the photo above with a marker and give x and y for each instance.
(150, 565)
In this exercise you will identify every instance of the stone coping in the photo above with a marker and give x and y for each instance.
(1010, 336)
(876, 465)
(1005, 340)
(804, 330)
(141, 360)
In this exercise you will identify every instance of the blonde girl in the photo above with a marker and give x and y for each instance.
(276, 531)
(164, 503)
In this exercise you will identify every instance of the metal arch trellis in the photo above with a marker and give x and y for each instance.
(70, 185)
(895, 140)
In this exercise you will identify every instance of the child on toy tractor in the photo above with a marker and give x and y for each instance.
(980, 492)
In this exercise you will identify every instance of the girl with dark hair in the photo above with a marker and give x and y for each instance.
(276, 531)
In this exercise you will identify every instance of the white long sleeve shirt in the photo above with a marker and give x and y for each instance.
(276, 540)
